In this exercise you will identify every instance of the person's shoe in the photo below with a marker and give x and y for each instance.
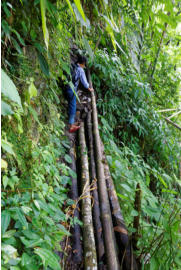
(74, 129)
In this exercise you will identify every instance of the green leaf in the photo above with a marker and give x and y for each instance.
(32, 90)
(5, 220)
(147, 180)
(63, 230)
(5, 27)
(37, 204)
(79, 17)
(7, 147)
(43, 17)
(126, 187)
(5, 181)
(3, 268)
(43, 64)
(5, 109)
(68, 159)
(10, 181)
(43, 205)
(9, 89)
(111, 33)
(31, 243)
(80, 9)
(75, 93)
(48, 258)
(111, 23)
(6, 10)
(26, 209)
(65, 180)
(162, 181)
(122, 196)
(65, 66)
(31, 235)
(35, 115)
(16, 45)
(134, 213)
(72, 173)
(88, 48)
(9, 234)
(10, 253)
(21, 218)
(71, 9)
(169, 191)
(14, 268)
(49, 221)
(19, 37)
(4, 164)
(26, 259)
(153, 264)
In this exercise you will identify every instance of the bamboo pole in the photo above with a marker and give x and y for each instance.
(175, 114)
(172, 123)
(96, 206)
(75, 230)
(158, 50)
(136, 222)
(167, 110)
(127, 259)
(90, 258)
(109, 238)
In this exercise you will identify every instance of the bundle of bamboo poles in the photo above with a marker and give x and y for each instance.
(105, 240)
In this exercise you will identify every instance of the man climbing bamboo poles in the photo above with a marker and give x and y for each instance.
(78, 75)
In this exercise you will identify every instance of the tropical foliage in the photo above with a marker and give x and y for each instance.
(134, 55)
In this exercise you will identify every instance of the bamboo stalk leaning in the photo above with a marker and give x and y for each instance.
(127, 258)
(75, 230)
(172, 123)
(109, 238)
(96, 206)
(90, 257)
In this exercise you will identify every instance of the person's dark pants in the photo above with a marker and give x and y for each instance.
(71, 105)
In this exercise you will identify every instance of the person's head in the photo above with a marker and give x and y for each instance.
(82, 60)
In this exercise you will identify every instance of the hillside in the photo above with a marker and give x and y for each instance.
(134, 57)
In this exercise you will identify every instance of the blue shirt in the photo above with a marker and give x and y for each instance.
(80, 76)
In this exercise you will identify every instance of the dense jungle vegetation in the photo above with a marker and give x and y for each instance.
(133, 48)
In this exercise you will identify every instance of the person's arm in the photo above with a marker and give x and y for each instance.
(84, 81)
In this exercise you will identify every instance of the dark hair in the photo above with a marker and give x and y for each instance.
(82, 59)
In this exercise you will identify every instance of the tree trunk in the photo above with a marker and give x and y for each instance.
(90, 259)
